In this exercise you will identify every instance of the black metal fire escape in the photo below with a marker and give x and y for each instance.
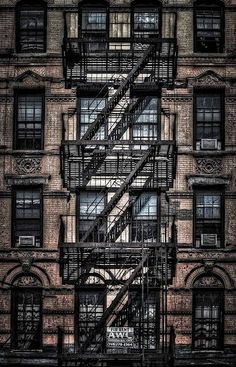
(138, 267)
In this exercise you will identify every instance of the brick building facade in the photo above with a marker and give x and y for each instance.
(137, 232)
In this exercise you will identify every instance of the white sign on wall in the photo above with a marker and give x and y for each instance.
(120, 337)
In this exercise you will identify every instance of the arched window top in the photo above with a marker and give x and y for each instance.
(28, 280)
(208, 281)
(31, 19)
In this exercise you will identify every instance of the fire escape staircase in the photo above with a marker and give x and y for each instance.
(119, 193)
(108, 313)
(119, 94)
(117, 132)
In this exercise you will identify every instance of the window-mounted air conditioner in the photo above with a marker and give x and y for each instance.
(27, 241)
(209, 240)
(209, 144)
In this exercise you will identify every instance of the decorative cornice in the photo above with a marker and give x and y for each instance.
(29, 180)
(61, 99)
(203, 180)
(206, 80)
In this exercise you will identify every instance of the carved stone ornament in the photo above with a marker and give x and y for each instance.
(27, 281)
(206, 80)
(29, 79)
(208, 282)
(208, 165)
(26, 262)
(27, 165)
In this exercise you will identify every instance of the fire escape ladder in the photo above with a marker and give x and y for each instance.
(124, 218)
(135, 107)
(117, 96)
(114, 200)
(120, 128)
(108, 313)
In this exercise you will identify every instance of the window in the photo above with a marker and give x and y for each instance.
(146, 19)
(89, 110)
(209, 127)
(209, 26)
(91, 304)
(209, 218)
(143, 316)
(145, 119)
(27, 217)
(27, 316)
(208, 303)
(144, 218)
(31, 27)
(29, 120)
(91, 204)
(94, 25)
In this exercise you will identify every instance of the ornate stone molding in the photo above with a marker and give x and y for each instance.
(30, 180)
(206, 80)
(26, 261)
(209, 165)
(30, 79)
(36, 255)
(27, 281)
(203, 180)
(28, 165)
(208, 281)
(61, 99)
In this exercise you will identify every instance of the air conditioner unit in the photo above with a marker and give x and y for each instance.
(209, 144)
(27, 241)
(209, 239)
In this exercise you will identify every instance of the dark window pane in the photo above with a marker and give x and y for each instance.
(208, 121)
(89, 110)
(207, 319)
(29, 121)
(27, 218)
(209, 32)
(90, 310)
(94, 20)
(27, 319)
(32, 28)
(146, 22)
(208, 219)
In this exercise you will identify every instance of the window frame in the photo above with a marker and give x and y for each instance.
(93, 33)
(156, 124)
(209, 190)
(30, 5)
(14, 219)
(154, 293)
(135, 220)
(14, 323)
(100, 288)
(202, 6)
(210, 290)
(91, 95)
(209, 92)
(145, 5)
(78, 237)
(28, 92)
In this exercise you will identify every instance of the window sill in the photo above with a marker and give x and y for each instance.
(218, 351)
(210, 54)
